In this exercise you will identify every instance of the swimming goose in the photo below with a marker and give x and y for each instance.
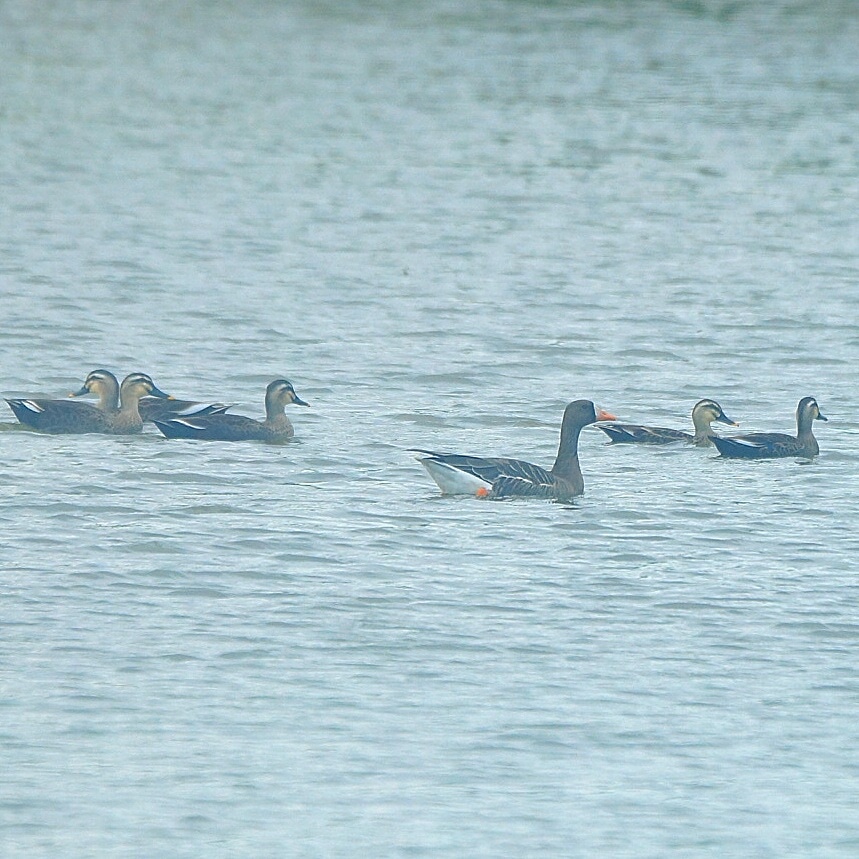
(502, 477)
(704, 412)
(775, 445)
(61, 416)
(276, 426)
(104, 384)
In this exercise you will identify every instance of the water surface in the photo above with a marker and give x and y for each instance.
(442, 224)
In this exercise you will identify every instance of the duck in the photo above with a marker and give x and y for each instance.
(105, 385)
(58, 416)
(134, 388)
(777, 445)
(704, 413)
(502, 477)
(223, 427)
(61, 416)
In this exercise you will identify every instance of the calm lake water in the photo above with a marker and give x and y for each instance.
(442, 222)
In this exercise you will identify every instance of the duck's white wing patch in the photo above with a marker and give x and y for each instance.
(194, 409)
(745, 442)
(186, 422)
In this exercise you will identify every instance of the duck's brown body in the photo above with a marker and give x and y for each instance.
(776, 445)
(704, 413)
(62, 416)
(220, 427)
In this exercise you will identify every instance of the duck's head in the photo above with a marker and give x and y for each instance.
(808, 411)
(137, 385)
(281, 393)
(704, 412)
(99, 382)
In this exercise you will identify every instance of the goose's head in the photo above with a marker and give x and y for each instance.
(580, 413)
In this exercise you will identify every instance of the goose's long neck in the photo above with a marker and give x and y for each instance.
(567, 461)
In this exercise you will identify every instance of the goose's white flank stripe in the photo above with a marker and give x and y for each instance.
(452, 481)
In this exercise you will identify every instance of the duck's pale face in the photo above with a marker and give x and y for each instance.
(708, 411)
(98, 384)
(139, 389)
(282, 393)
(711, 413)
(294, 398)
(809, 411)
(139, 385)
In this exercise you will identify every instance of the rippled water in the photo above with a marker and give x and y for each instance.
(442, 223)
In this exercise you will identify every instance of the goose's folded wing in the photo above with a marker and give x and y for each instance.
(521, 472)
(491, 469)
(519, 486)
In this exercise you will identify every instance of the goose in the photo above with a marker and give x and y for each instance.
(502, 477)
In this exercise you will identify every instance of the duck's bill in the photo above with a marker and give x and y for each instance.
(822, 417)
(299, 402)
(724, 419)
(157, 392)
(603, 415)
(81, 393)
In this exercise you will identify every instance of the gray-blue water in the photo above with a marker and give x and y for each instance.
(442, 221)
